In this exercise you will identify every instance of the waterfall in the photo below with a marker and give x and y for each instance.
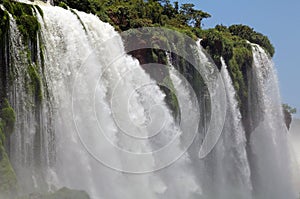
(189, 108)
(270, 162)
(234, 166)
(111, 117)
(31, 144)
(102, 125)
(225, 172)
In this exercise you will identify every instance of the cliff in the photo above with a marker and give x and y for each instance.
(231, 43)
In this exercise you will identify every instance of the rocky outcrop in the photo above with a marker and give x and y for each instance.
(287, 118)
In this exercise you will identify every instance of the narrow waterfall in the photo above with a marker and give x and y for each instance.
(270, 162)
(234, 166)
(225, 172)
(189, 108)
(31, 145)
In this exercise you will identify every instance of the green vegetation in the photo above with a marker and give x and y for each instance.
(63, 5)
(249, 34)
(168, 87)
(8, 180)
(289, 109)
(4, 24)
(139, 13)
(39, 10)
(221, 41)
(35, 82)
(66, 193)
(63, 193)
(8, 118)
(25, 18)
(28, 25)
(237, 53)
(287, 112)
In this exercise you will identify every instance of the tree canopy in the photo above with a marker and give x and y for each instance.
(132, 13)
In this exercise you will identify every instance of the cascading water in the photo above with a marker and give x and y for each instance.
(234, 168)
(31, 144)
(225, 172)
(270, 160)
(103, 122)
(84, 52)
(185, 96)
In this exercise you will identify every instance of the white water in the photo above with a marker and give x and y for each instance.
(189, 108)
(225, 172)
(31, 144)
(234, 167)
(100, 94)
(269, 144)
(105, 112)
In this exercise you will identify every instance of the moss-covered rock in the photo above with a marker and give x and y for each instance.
(8, 180)
(39, 9)
(63, 193)
(63, 5)
(4, 24)
(168, 88)
(35, 82)
(25, 18)
(8, 118)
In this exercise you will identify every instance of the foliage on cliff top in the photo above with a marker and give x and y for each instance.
(249, 34)
(139, 13)
(236, 51)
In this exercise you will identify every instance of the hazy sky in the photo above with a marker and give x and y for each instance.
(279, 20)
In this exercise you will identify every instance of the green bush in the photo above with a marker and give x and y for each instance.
(249, 34)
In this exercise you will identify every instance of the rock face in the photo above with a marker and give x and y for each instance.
(287, 118)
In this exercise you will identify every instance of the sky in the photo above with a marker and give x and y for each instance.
(277, 19)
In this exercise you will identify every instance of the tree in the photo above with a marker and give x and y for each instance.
(176, 6)
(198, 15)
(191, 15)
(289, 109)
(187, 8)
